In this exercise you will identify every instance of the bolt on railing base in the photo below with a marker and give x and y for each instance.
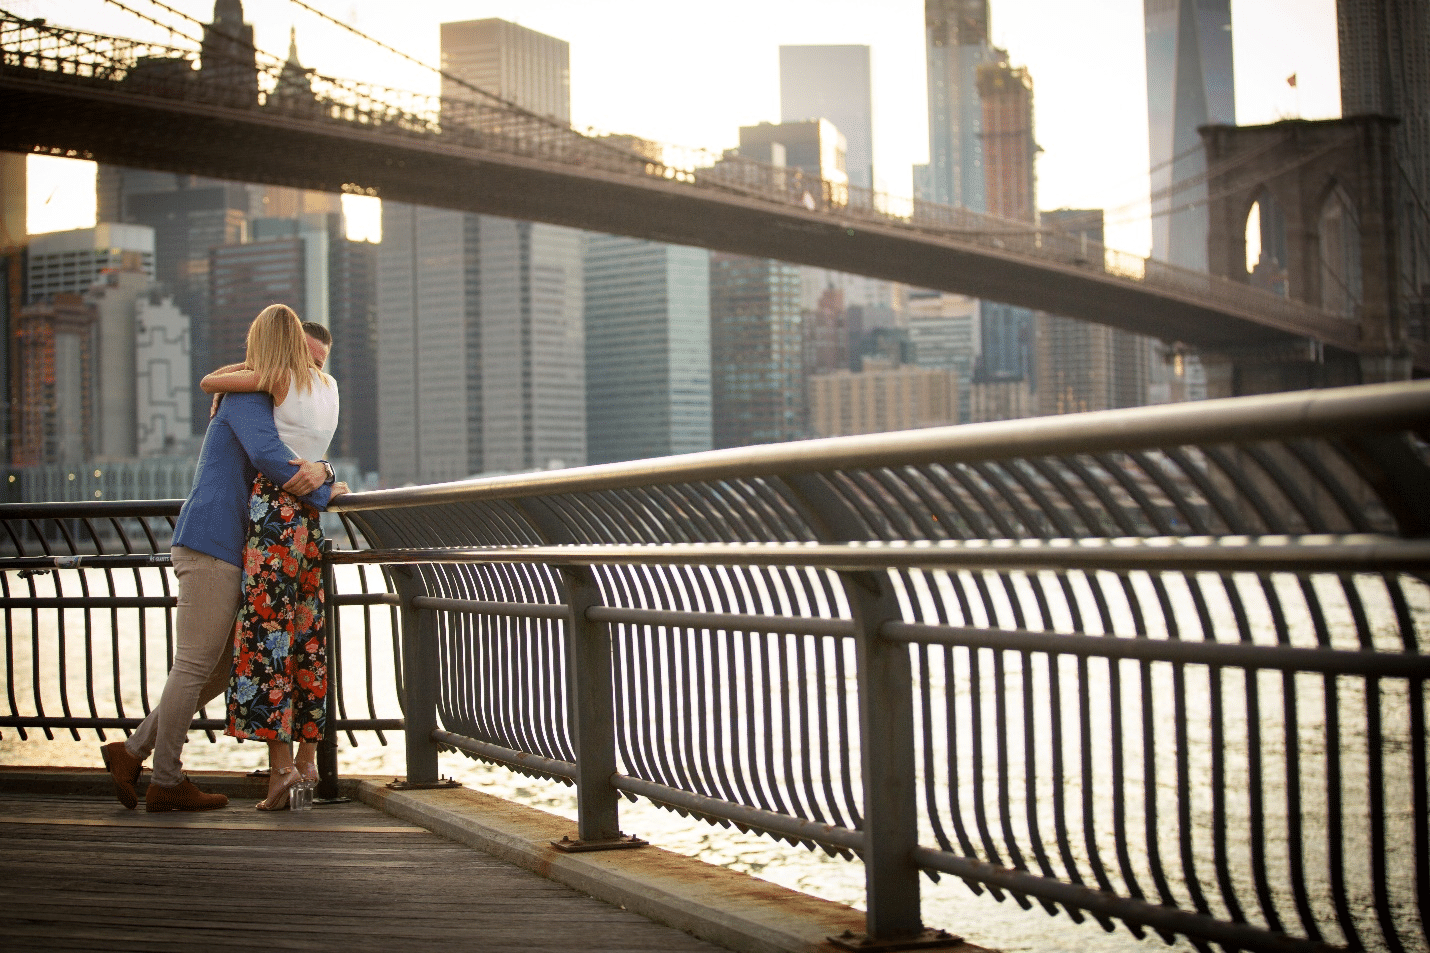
(402, 784)
(568, 846)
(924, 940)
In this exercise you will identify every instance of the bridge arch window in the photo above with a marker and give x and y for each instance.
(1339, 238)
(1266, 244)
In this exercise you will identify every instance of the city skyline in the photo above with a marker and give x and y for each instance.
(1086, 70)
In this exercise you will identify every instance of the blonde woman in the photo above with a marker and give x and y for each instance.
(280, 674)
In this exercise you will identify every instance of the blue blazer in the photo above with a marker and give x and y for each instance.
(240, 443)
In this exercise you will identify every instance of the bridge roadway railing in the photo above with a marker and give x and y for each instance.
(1164, 667)
(488, 125)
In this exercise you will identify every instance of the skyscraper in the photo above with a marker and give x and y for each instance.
(352, 317)
(245, 279)
(756, 351)
(72, 261)
(480, 341)
(944, 330)
(1085, 366)
(429, 365)
(522, 66)
(1189, 84)
(54, 395)
(956, 34)
(161, 375)
(647, 349)
(109, 266)
(1005, 94)
(813, 146)
(189, 218)
(13, 207)
(832, 82)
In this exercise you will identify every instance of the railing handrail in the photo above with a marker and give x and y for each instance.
(1367, 408)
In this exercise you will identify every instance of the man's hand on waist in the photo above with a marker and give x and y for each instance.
(309, 477)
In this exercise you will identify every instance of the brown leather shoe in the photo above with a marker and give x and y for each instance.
(184, 796)
(125, 769)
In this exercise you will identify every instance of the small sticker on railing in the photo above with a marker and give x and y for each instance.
(67, 562)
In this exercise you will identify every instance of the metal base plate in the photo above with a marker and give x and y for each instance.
(326, 801)
(568, 846)
(926, 940)
(402, 784)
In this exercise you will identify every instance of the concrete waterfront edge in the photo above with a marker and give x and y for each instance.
(725, 907)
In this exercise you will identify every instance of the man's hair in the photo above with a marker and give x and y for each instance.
(315, 330)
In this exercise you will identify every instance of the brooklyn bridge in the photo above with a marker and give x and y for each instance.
(145, 105)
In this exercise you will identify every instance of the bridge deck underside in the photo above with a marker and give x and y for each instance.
(94, 120)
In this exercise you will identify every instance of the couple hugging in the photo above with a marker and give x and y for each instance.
(250, 618)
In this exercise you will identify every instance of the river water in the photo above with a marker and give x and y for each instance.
(33, 673)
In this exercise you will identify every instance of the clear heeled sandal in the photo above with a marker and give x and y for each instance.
(284, 796)
(309, 784)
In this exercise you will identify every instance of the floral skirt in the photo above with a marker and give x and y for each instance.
(280, 642)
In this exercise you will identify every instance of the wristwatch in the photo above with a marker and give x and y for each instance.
(328, 469)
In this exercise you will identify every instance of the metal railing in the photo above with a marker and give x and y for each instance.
(1163, 667)
(62, 55)
(88, 604)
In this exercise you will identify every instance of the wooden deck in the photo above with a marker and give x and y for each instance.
(82, 873)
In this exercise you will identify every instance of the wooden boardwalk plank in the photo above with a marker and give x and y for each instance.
(80, 873)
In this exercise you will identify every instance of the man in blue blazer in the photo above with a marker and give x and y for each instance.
(207, 557)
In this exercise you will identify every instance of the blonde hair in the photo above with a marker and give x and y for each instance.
(276, 348)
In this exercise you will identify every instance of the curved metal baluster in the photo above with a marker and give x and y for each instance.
(1374, 749)
(994, 514)
(1123, 521)
(1185, 824)
(542, 654)
(703, 525)
(1057, 522)
(1078, 505)
(953, 492)
(995, 479)
(781, 525)
(934, 493)
(1289, 691)
(674, 514)
(1030, 520)
(685, 595)
(35, 634)
(1350, 511)
(113, 619)
(1336, 843)
(700, 496)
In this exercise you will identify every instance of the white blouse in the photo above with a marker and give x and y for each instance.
(306, 419)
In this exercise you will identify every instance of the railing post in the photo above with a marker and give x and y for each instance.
(328, 747)
(886, 738)
(591, 708)
(419, 669)
(886, 746)
(590, 699)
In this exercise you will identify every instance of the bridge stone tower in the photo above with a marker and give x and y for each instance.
(1324, 191)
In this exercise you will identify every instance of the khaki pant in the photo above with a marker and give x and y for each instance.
(209, 593)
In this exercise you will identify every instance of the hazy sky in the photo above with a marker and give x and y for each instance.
(691, 74)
